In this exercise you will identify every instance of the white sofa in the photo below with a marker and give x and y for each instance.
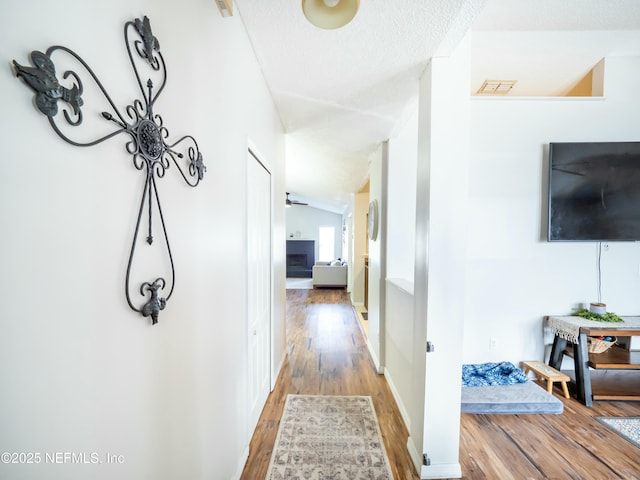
(325, 274)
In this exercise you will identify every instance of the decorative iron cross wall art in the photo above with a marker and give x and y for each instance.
(148, 144)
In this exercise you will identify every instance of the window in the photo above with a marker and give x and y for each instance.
(326, 244)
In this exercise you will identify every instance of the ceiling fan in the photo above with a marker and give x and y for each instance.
(289, 202)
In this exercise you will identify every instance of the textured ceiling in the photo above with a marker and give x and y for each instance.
(342, 92)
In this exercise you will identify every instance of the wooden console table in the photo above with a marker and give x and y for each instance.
(570, 338)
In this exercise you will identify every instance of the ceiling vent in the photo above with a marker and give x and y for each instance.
(225, 7)
(496, 87)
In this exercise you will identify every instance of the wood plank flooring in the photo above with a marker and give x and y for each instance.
(569, 446)
(327, 355)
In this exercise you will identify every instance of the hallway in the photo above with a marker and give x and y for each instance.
(327, 355)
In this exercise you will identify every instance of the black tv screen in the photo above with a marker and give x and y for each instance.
(594, 191)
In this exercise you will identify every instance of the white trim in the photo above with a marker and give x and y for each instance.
(359, 323)
(374, 357)
(243, 462)
(402, 284)
(445, 470)
(276, 373)
(507, 98)
(414, 453)
(398, 399)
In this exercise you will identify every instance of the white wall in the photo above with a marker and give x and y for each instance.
(404, 347)
(441, 238)
(377, 255)
(304, 222)
(514, 276)
(402, 359)
(80, 371)
(401, 203)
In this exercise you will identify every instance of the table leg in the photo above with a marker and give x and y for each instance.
(557, 352)
(583, 377)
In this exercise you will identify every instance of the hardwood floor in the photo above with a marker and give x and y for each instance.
(327, 355)
(569, 446)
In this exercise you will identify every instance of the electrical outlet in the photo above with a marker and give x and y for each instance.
(493, 343)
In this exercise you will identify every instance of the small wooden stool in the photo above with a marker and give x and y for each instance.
(542, 370)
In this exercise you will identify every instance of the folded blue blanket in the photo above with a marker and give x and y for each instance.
(488, 374)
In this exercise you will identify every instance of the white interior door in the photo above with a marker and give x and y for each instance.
(259, 285)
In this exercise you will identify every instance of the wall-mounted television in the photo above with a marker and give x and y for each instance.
(594, 191)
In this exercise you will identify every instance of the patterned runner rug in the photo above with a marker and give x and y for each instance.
(626, 427)
(329, 437)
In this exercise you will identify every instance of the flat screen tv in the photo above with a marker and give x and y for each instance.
(594, 191)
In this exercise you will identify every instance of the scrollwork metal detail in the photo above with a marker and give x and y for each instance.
(147, 134)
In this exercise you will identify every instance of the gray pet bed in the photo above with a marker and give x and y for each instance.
(525, 397)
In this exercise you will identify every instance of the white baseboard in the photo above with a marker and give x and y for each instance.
(243, 462)
(396, 395)
(361, 327)
(374, 357)
(445, 470)
(414, 453)
(276, 373)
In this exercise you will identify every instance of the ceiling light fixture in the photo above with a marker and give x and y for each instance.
(330, 14)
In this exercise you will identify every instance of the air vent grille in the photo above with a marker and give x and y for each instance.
(225, 7)
(496, 87)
